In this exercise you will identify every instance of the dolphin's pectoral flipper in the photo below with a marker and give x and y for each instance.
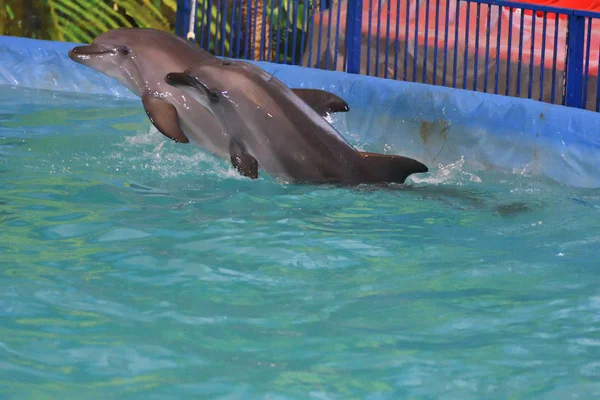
(163, 116)
(322, 101)
(391, 168)
(242, 160)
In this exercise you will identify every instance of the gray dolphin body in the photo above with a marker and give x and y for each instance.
(140, 58)
(271, 128)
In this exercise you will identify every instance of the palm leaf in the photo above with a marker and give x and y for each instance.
(83, 20)
(216, 25)
(281, 19)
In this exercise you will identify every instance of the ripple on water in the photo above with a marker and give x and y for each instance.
(134, 266)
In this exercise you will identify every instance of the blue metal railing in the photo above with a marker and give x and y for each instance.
(539, 52)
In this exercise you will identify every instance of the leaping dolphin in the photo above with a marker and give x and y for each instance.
(140, 58)
(271, 128)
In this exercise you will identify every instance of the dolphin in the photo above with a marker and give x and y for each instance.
(140, 58)
(270, 127)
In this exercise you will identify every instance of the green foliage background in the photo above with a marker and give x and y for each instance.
(82, 20)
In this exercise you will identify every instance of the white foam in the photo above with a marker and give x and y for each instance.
(451, 173)
(153, 136)
(150, 151)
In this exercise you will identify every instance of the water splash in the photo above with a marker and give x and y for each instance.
(149, 151)
(453, 173)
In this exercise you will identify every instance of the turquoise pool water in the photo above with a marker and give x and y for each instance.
(132, 267)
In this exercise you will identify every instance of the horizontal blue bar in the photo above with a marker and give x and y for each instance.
(536, 7)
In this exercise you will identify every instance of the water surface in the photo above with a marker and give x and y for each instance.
(134, 267)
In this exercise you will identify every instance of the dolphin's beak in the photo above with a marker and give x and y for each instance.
(179, 79)
(81, 53)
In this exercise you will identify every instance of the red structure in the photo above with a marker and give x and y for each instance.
(520, 47)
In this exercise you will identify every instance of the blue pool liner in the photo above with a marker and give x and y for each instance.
(437, 125)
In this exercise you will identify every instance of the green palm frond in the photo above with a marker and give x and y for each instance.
(216, 25)
(283, 18)
(287, 17)
(82, 20)
(295, 13)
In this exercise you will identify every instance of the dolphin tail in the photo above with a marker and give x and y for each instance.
(391, 168)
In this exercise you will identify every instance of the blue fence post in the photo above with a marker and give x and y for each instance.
(182, 17)
(353, 35)
(575, 41)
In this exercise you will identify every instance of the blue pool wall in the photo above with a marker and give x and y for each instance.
(437, 125)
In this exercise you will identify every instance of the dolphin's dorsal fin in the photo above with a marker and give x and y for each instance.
(163, 116)
(390, 168)
(242, 160)
(321, 101)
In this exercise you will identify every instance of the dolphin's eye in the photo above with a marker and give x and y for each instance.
(226, 62)
(123, 51)
(213, 96)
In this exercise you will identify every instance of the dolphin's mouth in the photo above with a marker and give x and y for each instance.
(179, 79)
(89, 51)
